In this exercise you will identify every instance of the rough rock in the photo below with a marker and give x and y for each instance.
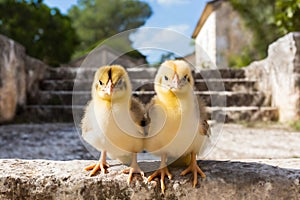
(278, 76)
(241, 178)
(42, 179)
(260, 70)
(13, 78)
(35, 72)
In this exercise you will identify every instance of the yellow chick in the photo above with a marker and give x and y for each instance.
(178, 127)
(112, 120)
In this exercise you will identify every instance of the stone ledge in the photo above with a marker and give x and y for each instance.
(249, 179)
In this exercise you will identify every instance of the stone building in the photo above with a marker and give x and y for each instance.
(221, 33)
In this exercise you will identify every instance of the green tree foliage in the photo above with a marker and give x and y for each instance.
(167, 56)
(258, 17)
(287, 15)
(96, 20)
(268, 20)
(45, 32)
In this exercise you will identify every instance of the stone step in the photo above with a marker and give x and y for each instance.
(88, 73)
(225, 85)
(243, 179)
(220, 73)
(59, 113)
(147, 85)
(56, 85)
(211, 98)
(60, 73)
(70, 85)
(52, 113)
(216, 98)
(235, 85)
(236, 114)
(62, 98)
(65, 73)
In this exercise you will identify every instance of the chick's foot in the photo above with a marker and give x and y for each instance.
(162, 172)
(195, 169)
(100, 166)
(134, 169)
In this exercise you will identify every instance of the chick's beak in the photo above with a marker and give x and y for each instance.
(175, 81)
(109, 87)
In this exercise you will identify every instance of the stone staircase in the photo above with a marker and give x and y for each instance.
(229, 95)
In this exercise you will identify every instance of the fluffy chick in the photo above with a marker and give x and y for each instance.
(112, 120)
(178, 125)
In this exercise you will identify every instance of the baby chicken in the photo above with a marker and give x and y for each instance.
(178, 127)
(112, 120)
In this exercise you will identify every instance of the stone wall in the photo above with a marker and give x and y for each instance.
(222, 36)
(35, 72)
(19, 77)
(13, 78)
(279, 76)
(205, 47)
(232, 35)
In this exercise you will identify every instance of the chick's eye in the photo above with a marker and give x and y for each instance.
(166, 78)
(120, 82)
(186, 78)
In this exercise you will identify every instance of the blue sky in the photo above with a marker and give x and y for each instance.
(178, 15)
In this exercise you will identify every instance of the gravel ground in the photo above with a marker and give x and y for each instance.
(42, 141)
(238, 142)
(62, 142)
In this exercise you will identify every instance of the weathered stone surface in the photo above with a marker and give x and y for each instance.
(42, 179)
(35, 71)
(242, 178)
(220, 73)
(246, 114)
(13, 78)
(278, 76)
(283, 54)
(260, 71)
(211, 99)
(48, 113)
(84, 73)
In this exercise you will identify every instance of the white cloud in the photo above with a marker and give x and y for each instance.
(181, 28)
(153, 42)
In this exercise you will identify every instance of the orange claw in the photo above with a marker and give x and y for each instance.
(162, 172)
(132, 171)
(134, 168)
(195, 169)
(100, 166)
